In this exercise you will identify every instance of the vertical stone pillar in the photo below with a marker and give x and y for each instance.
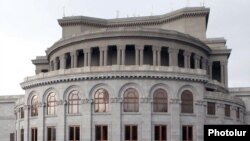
(74, 56)
(136, 56)
(121, 51)
(101, 57)
(187, 56)
(173, 56)
(154, 57)
(197, 61)
(220, 112)
(159, 57)
(56, 63)
(62, 61)
(40, 123)
(26, 123)
(17, 124)
(123, 55)
(61, 114)
(200, 112)
(105, 56)
(85, 57)
(147, 119)
(224, 73)
(139, 55)
(116, 114)
(118, 56)
(86, 126)
(175, 120)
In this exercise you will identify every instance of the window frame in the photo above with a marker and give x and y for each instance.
(161, 132)
(131, 101)
(34, 133)
(73, 102)
(131, 132)
(187, 103)
(160, 101)
(227, 110)
(34, 106)
(187, 132)
(101, 101)
(74, 132)
(52, 104)
(22, 134)
(209, 110)
(52, 133)
(101, 133)
(238, 113)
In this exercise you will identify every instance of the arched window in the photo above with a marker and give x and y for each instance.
(51, 104)
(101, 101)
(160, 100)
(186, 102)
(73, 106)
(131, 100)
(34, 106)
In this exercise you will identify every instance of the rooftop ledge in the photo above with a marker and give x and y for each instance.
(115, 71)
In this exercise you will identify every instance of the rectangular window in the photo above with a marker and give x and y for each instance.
(160, 133)
(238, 113)
(51, 133)
(227, 110)
(131, 133)
(22, 135)
(187, 133)
(33, 134)
(74, 133)
(12, 136)
(101, 133)
(211, 108)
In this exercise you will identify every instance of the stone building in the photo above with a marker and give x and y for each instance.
(153, 78)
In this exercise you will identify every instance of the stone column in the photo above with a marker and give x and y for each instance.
(187, 56)
(159, 57)
(40, 122)
(118, 56)
(154, 57)
(85, 57)
(86, 125)
(61, 123)
(123, 55)
(224, 73)
(116, 114)
(173, 56)
(74, 56)
(200, 115)
(26, 123)
(197, 61)
(139, 54)
(56, 63)
(175, 120)
(136, 56)
(62, 61)
(105, 56)
(101, 57)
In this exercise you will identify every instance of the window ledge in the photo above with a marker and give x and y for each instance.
(50, 116)
(228, 118)
(76, 114)
(188, 114)
(161, 113)
(131, 113)
(101, 113)
(211, 116)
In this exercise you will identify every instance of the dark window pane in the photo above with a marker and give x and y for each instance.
(127, 132)
(164, 133)
(98, 132)
(105, 132)
(190, 133)
(71, 133)
(54, 133)
(134, 132)
(157, 132)
(49, 134)
(184, 133)
(77, 133)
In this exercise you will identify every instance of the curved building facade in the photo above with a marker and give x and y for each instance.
(153, 78)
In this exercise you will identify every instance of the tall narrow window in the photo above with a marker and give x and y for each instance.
(51, 104)
(33, 134)
(74, 133)
(51, 133)
(211, 108)
(131, 133)
(160, 101)
(21, 113)
(34, 106)
(227, 110)
(73, 106)
(101, 133)
(186, 102)
(187, 133)
(22, 135)
(131, 100)
(101, 101)
(160, 133)
(238, 113)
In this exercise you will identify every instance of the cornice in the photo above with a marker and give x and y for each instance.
(126, 33)
(78, 74)
(135, 21)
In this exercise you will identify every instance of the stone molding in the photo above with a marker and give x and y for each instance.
(116, 100)
(200, 103)
(146, 100)
(175, 101)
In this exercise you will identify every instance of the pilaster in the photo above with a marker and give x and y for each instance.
(173, 56)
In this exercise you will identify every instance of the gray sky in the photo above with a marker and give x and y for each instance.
(29, 27)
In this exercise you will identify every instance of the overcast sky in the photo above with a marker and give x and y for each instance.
(29, 27)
